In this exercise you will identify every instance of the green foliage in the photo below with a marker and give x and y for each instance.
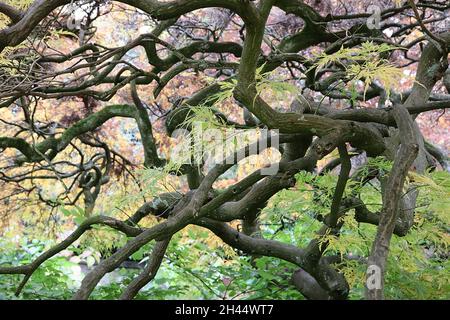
(49, 281)
(363, 63)
(267, 83)
(271, 84)
(77, 213)
(418, 263)
(192, 269)
(225, 92)
(199, 266)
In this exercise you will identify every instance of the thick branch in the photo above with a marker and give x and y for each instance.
(149, 273)
(392, 195)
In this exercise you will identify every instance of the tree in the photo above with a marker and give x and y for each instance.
(326, 76)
